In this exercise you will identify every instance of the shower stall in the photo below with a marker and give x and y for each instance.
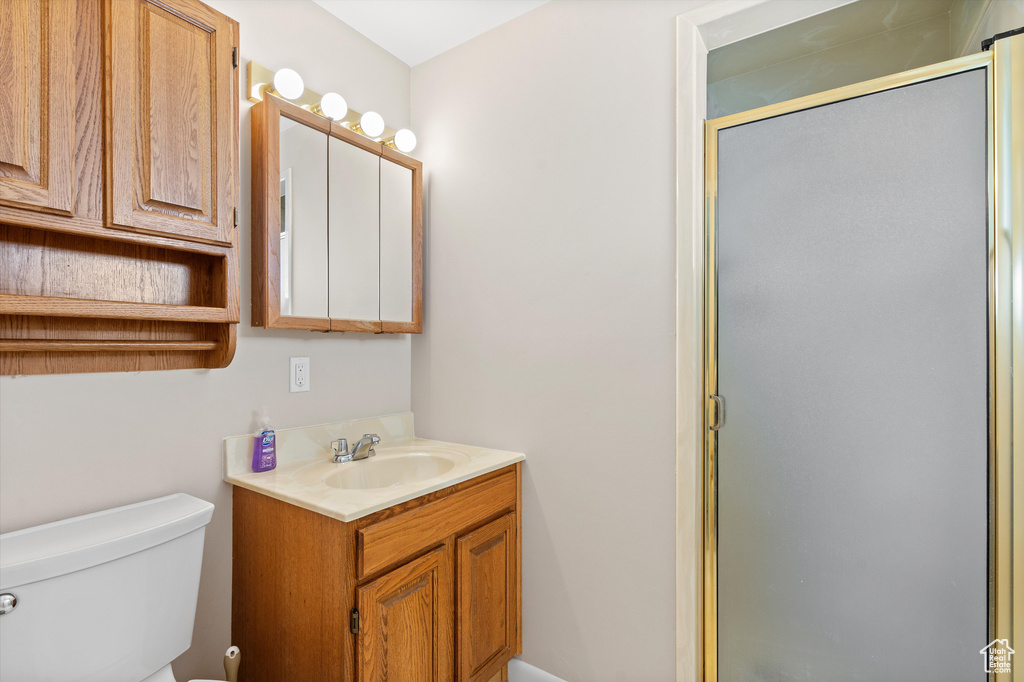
(864, 321)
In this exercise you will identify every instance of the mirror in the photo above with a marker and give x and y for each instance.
(337, 226)
(303, 220)
(354, 232)
(396, 266)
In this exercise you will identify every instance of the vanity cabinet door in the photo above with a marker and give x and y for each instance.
(405, 630)
(172, 121)
(37, 92)
(487, 587)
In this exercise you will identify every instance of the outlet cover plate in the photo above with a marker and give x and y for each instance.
(298, 375)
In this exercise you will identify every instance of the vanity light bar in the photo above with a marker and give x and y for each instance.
(285, 82)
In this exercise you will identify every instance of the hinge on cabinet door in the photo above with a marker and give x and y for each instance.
(236, 216)
(354, 622)
(234, 58)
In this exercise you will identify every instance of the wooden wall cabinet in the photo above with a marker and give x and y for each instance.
(427, 590)
(118, 186)
(337, 226)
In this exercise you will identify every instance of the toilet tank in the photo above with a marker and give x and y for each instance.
(105, 597)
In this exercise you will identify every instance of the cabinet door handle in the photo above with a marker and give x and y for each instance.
(719, 414)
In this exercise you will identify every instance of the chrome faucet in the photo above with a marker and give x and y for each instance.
(362, 449)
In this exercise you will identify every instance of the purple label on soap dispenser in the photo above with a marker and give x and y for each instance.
(264, 451)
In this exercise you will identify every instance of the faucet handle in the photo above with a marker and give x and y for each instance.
(340, 449)
(374, 440)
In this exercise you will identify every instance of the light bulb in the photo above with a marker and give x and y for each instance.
(333, 106)
(372, 123)
(288, 84)
(405, 141)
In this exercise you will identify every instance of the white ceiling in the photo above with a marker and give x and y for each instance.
(416, 30)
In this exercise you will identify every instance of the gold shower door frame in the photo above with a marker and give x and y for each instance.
(1004, 65)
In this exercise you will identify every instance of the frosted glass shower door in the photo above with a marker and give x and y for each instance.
(851, 242)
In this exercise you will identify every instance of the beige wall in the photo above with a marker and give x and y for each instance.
(79, 443)
(849, 44)
(550, 310)
(964, 20)
(998, 16)
(900, 49)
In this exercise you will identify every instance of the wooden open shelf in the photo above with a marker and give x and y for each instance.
(79, 307)
(38, 344)
(100, 346)
(171, 308)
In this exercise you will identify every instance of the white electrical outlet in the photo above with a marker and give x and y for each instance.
(298, 377)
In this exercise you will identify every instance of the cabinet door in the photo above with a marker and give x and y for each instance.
(172, 119)
(303, 217)
(354, 233)
(37, 92)
(405, 632)
(486, 613)
(396, 237)
(401, 243)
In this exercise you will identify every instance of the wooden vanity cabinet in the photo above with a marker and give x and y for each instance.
(426, 591)
(118, 186)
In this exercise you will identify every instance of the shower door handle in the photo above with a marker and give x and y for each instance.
(715, 423)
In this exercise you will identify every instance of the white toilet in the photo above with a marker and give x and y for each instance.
(105, 597)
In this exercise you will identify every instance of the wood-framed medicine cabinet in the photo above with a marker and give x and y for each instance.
(337, 226)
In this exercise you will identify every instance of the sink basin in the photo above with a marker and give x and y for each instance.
(384, 473)
(390, 467)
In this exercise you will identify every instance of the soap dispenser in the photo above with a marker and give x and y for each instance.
(264, 446)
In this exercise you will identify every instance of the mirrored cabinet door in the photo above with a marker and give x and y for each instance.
(303, 229)
(396, 242)
(354, 240)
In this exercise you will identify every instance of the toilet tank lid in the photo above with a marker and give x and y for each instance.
(61, 547)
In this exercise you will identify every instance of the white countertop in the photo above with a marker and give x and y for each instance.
(305, 470)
